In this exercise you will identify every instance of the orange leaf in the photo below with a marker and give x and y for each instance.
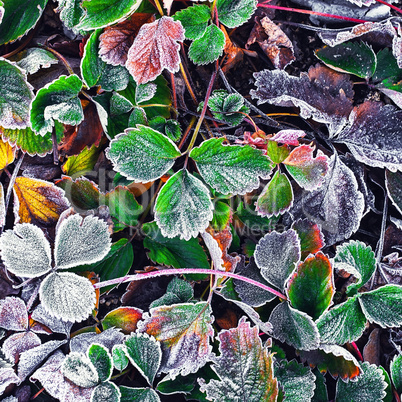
(154, 49)
(125, 318)
(115, 41)
(7, 154)
(38, 201)
(234, 54)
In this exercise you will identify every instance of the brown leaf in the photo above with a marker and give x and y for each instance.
(234, 53)
(115, 41)
(273, 41)
(154, 49)
(371, 352)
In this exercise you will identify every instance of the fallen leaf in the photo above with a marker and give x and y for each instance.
(233, 52)
(7, 154)
(372, 349)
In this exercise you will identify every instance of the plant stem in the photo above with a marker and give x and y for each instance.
(59, 56)
(183, 271)
(159, 7)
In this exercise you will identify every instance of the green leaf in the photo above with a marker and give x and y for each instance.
(183, 206)
(96, 72)
(145, 353)
(79, 369)
(101, 13)
(138, 395)
(33, 59)
(277, 153)
(184, 331)
(19, 17)
(102, 361)
(180, 384)
(138, 116)
(209, 47)
(70, 12)
(83, 163)
(389, 396)
(222, 216)
(311, 238)
(387, 66)
(171, 128)
(248, 216)
(356, 58)
(106, 392)
(244, 367)
(194, 20)
(15, 96)
(383, 306)
(276, 197)
(178, 291)
(393, 183)
(369, 387)
(57, 101)
(277, 255)
(320, 392)
(120, 359)
(234, 13)
(297, 381)
(343, 323)
(395, 369)
(125, 318)
(173, 251)
(294, 327)
(142, 154)
(230, 169)
(357, 259)
(311, 287)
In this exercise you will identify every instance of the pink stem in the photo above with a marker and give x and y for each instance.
(356, 349)
(183, 271)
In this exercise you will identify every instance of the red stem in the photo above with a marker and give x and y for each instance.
(356, 349)
(183, 271)
(301, 11)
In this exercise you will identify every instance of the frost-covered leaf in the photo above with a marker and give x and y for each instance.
(357, 259)
(369, 387)
(244, 368)
(373, 135)
(106, 392)
(81, 241)
(383, 306)
(142, 154)
(343, 323)
(395, 369)
(32, 358)
(178, 291)
(25, 251)
(108, 338)
(277, 255)
(387, 66)
(337, 206)
(183, 206)
(19, 17)
(393, 183)
(208, 47)
(231, 169)
(8, 377)
(101, 360)
(294, 327)
(67, 296)
(183, 331)
(288, 137)
(18, 343)
(115, 41)
(322, 94)
(194, 20)
(129, 394)
(101, 13)
(59, 101)
(78, 368)
(311, 238)
(34, 59)
(55, 325)
(356, 58)
(7, 154)
(145, 353)
(38, 201)
(120, 359)
(297, 381)
(15, 96)
(155, 48)
(234, 13)
(311, 287)
(70, 12)
(276, 197)
(125, 318)
(308, 172)
(13, 314)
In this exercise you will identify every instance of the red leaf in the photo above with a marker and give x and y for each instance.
(311, 238)
(154, 49)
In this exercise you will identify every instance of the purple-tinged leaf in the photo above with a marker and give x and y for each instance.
(322, 94)
(79, 369)
(288, 137)
(343, 323)
(13, 314)
(54, 324)
(311, 287)
(276, 197)
(7, 377)
(309, 172)
(337, 206)
(294, 327)
(183, 331)
(108, 338)
(244, 368)
(395, 369)
(370, 386)
(373, 135)
(393, 183)
(18, 343)
(277, 255)
(102, 361)
(311, 238)
(334, 359)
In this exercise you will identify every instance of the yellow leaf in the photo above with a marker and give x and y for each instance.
(7, 154)
(38, 201)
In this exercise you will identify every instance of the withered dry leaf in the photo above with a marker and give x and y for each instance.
(273, 41)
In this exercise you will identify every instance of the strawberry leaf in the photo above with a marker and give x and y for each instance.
(277, 153)
(178, 291)
(395, 368)
(183, 206)
(120, 359)
(34, 59)
(102, 361)
(13, 314)
(311, 238)
(194, 20)
(125, 318)
(142, 154)
(393, 183)
(343, 323)
(311, 286)
(231, 169)
(59, 101)
(79, 369)
(106, 391)
(244, 368)
(183, 331)
(129, 394)
(70, 12)
(234, 13)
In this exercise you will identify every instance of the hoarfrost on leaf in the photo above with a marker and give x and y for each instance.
(108, 338)
(102, 361)
(234, 13)
(13, 314)
(7, 377)
(106, 392)
(78, 368)
(40, 314)
(35, 59)
(18, 343)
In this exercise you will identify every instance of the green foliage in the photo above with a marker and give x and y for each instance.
(194, 20)
(234, 13)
